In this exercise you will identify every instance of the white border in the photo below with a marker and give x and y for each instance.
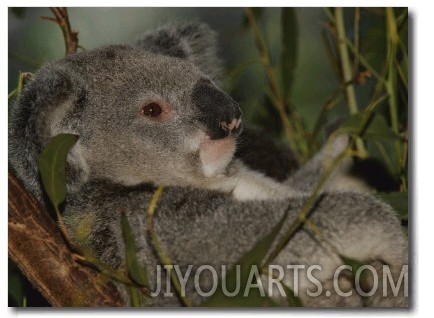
(422, 165)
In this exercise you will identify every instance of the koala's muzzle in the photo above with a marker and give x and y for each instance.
(218, 112)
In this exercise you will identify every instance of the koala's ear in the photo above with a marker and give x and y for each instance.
(46, 107)
(194, 41)
(52, 101)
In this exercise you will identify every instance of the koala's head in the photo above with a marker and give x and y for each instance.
(148, 113)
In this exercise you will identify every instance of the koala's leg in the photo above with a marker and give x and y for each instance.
(305, 178)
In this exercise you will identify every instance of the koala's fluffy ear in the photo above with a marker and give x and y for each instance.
(46, 107)
(194, 41)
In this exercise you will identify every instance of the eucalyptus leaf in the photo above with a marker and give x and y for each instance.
(293, 300)
(247, 263)
(398, 201)
(52, 166)
(376, 128)
(135, 271)
(355, 266)
(136, 297)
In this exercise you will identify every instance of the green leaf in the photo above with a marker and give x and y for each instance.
(135, 271)
(289, 50)
(136, 297)
(378, 135)
(376, 128)
(355, 266)
(398, 201)
(52, 165)
(293, 300)
(246, 264)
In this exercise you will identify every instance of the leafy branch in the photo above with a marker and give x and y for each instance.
(291, 134)
(22, 76)
(61, 18)
(347, 73)
(387, 81)
(52, 167)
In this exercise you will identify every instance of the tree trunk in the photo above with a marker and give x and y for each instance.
(37, 246)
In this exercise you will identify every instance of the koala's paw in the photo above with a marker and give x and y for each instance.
(255, 186)
(336, 145)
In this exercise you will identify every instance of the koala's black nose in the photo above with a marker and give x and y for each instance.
(218, 112)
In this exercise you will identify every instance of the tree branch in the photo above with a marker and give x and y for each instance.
(36, 245)
(62, 19)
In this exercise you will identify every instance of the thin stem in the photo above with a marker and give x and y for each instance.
(277, 97)
(92, 261)
(347, 74)
(392, 76)
(70, 37)
(329, 105)
(393, 38)
(156, 243)
(12, 93)
(17, 91)
(361, 58)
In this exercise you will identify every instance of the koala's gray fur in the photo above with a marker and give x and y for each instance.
(194, 42)
(213, 208)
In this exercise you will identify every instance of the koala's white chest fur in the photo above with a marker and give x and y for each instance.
(245, 184)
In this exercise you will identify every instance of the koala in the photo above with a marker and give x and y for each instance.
(153, 114)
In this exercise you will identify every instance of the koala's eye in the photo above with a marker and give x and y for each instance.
(151, 110)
